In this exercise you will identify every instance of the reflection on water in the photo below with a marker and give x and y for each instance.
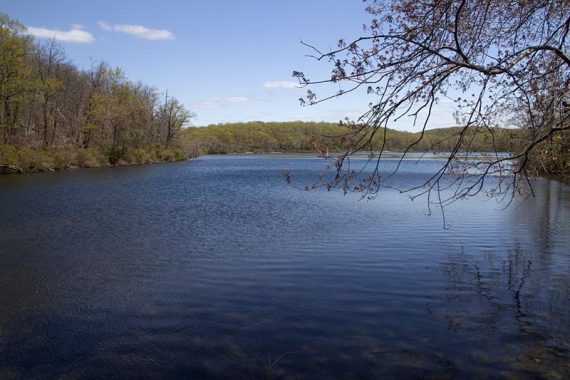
(214, 268)
(510, 301)
(519, 298)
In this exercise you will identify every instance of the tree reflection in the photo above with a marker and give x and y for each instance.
(513, 308)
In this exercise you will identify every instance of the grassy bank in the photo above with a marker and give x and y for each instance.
(16, 159)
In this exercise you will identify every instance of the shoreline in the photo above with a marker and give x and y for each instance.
(11, 169)
(43, 167)
(21, 160)
(14, 170)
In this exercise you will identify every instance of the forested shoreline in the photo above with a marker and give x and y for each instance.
(320, 137)
(550, 158)
(56, 116)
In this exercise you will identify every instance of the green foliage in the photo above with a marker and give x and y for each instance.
(8, 155)
(15, 73)
(46, 159)
(54, 115)
(305, 137)
(29, 159)
(139, 156)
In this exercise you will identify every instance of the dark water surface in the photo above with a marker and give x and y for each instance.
(214, 268)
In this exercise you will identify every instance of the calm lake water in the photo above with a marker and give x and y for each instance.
(215, 268)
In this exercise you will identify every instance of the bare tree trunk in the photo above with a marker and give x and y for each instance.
(115, 128)
(46, 123)
(7, 122)
(53, 131)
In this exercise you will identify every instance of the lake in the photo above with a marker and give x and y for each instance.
(215, 268)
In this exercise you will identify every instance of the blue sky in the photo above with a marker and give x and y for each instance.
(225, 60)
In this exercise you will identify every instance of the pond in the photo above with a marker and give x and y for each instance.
(215, 268)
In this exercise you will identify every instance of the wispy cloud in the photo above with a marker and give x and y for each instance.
(215, 102)
(280, 84)
(103, 25)
(138, 31)
(75, 34)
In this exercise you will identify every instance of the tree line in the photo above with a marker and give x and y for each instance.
(53, 114)
(300, 136)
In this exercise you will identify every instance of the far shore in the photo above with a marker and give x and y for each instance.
(45, 166)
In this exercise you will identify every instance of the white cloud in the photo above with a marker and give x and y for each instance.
(75, 34)
(215, 102)
(280, 84)
(139, 31)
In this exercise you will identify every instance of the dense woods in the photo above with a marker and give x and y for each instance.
(321, 137)
(54, 115)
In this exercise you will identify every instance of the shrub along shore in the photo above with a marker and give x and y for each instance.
(17, 160)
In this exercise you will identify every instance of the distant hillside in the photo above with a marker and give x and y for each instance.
(308, 136)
